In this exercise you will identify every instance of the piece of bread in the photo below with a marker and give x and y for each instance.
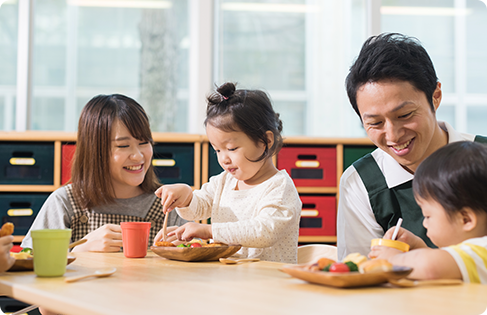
(7, 229)
(165, 244)
(375, 265)
(214, 245)
(356, 258)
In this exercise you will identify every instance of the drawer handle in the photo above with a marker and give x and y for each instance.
(22, 161)
(309, 213)
(163, 162)
(307, 164)
(19, 212)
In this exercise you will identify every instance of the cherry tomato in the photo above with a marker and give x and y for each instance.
(196, 245)
(339, 267)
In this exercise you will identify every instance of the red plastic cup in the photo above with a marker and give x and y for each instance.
(135, 238)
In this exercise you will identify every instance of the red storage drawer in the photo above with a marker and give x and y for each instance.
(318, 216)
(67, 154)
(315, 167)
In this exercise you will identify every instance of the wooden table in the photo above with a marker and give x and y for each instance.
(154, 285)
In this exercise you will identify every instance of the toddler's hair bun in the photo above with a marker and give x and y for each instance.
(227, 89)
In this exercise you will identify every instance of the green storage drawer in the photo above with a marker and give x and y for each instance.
(174, 163)
(26, 163)
(353, 153)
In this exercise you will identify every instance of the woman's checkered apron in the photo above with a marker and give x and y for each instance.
(85, 221)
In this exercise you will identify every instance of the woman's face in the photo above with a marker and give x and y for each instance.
(130, 159)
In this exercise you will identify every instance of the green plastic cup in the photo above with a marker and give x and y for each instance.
(50, 251)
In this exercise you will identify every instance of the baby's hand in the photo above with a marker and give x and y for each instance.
(107, 238)
(191, 230)
(407, 237)
(383, 252)
(172, 196)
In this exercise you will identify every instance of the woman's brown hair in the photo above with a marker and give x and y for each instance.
(90, 174)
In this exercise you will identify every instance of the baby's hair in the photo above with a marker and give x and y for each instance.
(455, 176)
(248, 111)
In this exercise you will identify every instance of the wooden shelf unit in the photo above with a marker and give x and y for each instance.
(201, 160)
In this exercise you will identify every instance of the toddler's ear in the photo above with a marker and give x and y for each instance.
(270, 138)
(469, 219)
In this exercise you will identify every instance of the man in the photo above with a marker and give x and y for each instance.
(394, 89)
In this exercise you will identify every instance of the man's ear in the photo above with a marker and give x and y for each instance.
(437, 96)
(469, 219)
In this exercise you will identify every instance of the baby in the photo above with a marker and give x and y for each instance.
(450, 187)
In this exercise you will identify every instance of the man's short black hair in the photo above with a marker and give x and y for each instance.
(392, 56)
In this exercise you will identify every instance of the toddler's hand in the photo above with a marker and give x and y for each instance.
(172, 196)
(191, 230)
(6, 261)
(107, 238)
(383, 252)
(407, 237)
(171, 239)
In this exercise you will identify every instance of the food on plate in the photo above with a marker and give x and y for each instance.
(356, 258)
(337, 267)
(195, 245)
(375, 265)
(323, 262)
(165, 244)
(21, 255)
(214, 245)
(7, 229)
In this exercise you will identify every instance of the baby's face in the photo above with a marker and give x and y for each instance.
(442, 230)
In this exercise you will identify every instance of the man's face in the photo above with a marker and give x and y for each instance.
(399, 120)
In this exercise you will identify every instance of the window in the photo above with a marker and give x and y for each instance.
(453, 33)
(298, 51)
(8, 63)
(84, 48)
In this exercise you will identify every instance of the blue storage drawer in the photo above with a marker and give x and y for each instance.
(9, 305)
(214, 168)
(174, 163)
(21, 209)
(26, 163)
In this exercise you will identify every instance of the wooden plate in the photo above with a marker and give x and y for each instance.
(196, 253)
(346, 280)
(28, 264)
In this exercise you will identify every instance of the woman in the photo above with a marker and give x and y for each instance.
(112, 181)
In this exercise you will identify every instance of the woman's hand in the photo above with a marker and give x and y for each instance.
(107, 238)
(172, 196)
(6, 261)
(407, 237)
(172, 239)
(191, 230)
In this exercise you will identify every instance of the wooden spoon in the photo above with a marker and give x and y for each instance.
(164, 228)
(407, 283)
(78, 242)
(99, 273)
(227, 261)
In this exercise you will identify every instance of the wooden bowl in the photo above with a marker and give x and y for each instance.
(346, 279)
(196, 253)
(28, 264)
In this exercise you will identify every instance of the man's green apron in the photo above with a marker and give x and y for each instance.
(397, 202)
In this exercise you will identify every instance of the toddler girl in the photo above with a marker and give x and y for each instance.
(250, 203)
